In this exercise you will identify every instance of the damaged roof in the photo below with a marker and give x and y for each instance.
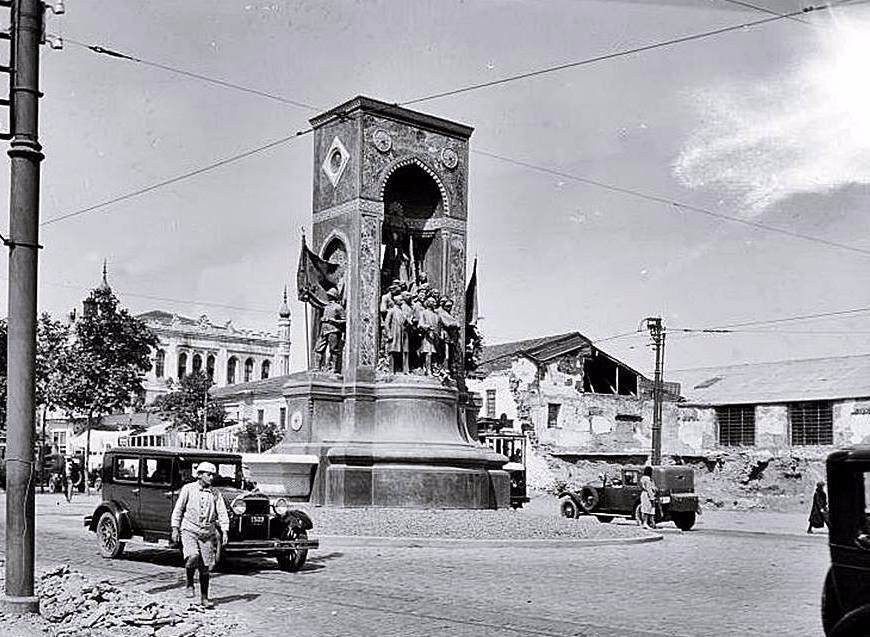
(267, 387)
(832, 378)
(500, 356)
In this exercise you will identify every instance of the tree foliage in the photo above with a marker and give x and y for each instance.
(256, 437)
(185, 401)
(105, 364)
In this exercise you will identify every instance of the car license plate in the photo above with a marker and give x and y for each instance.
(258, 519)
(665, 499)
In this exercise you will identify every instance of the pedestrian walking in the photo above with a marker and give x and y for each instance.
(199, 522)
(819, 512)
(647, 499)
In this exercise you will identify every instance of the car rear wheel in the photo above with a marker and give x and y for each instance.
(294, 559)
(109, 536)
(684, 521)
(605, 519)
(569, 508)
(831, 610)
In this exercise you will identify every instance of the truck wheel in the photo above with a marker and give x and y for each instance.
(605, 519)
(684, 521)
(588, 499)
(831, 610)
(294, 559)
(109, 536)
(569, 508)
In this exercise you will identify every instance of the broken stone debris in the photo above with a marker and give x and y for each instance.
(74, 604)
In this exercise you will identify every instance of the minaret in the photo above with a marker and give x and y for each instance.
(284, 337)
(104, 284)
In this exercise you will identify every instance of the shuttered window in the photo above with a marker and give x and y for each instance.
(736, 425)
(812, 423)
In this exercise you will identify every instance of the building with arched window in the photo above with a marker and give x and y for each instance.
(226, 353)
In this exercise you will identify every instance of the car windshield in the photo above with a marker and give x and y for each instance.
(229, 472)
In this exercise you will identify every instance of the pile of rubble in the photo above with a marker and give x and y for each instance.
(73, 604)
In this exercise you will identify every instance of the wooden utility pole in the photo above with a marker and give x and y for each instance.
(26, 154)
(657, 332)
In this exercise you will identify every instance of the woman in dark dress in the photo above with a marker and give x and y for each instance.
(819, 512)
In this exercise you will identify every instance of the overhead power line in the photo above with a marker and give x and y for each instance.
(102, 50)
(755, 7)
(622, 53)
(176, 179)
(671, 202)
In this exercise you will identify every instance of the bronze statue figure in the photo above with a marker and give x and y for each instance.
(330, 339)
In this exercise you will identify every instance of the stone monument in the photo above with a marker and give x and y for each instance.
(384, 403)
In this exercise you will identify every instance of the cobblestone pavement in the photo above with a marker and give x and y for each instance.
(699, 583)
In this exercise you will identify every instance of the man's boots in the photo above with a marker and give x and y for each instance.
(203, 588)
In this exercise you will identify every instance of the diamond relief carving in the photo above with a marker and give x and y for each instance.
(335, 161)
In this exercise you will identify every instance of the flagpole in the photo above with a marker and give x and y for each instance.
(307, 338)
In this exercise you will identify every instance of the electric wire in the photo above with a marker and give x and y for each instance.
(102, 50)
(176, 179)
(622, 53)
(671, 202)
(755, 7)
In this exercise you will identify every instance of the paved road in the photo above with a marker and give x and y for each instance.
(699, 583)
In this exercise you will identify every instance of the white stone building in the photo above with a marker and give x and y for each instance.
(226, 353)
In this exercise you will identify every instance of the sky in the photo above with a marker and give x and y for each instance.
(766, 124)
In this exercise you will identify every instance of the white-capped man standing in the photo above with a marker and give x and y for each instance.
(198, 521)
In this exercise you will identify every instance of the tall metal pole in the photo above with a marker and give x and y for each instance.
(204, 418)
(657, 333)
(26, 153)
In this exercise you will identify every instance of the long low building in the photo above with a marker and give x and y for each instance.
(806, 403)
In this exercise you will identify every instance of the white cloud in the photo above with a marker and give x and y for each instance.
(805, 131)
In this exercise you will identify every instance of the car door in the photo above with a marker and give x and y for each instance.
(157, 496)
(125, 486)
(630, 490)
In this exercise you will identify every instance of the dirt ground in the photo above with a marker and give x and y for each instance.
(739, 480)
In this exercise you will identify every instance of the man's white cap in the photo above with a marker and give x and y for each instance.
(205, 466)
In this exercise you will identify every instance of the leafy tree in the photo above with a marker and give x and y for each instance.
(185, 402)
(102, 370)
(256, 437)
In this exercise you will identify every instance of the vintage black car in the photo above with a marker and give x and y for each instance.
(620, 496)
(846, 593)
(141, 485)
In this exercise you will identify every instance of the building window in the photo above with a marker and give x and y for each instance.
(159, 363)
(58, 439)
(736, 425)
(264, 371)
(197, 363)
(231, 370)
(553, 414)
(490, 403)
(209, 367)
(249, 370)
(812, 423)
(261, 416)
(282, 418)
(182, 365)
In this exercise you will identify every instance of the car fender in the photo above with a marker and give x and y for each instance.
(121, 515)
(297, 519)
(853, 623)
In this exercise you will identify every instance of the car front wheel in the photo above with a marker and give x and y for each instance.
(109, 536)
(568, 508)
(294, 559)
(684, 521)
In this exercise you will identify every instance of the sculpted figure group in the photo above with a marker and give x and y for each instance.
(419, 331)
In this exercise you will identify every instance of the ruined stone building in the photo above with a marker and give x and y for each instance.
(809, 404)
(570, 394)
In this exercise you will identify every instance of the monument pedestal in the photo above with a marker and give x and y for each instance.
(395, 441)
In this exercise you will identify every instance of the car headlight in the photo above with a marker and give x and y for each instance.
(239, 506)
(281, 507)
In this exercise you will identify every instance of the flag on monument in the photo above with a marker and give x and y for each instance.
(314, 276)
(471, 307)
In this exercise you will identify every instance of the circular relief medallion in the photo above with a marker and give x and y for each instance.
(449, 158)
(296, 421)
(382, 140)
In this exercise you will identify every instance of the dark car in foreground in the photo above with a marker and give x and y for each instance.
(620, 496)
(140, 487)
(846, 593)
